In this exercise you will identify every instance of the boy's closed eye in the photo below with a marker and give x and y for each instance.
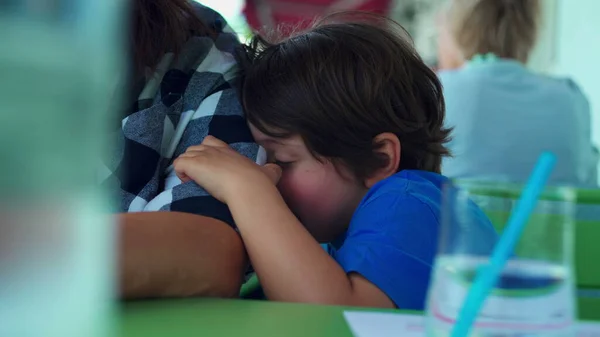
(282, 159)
(282, 164)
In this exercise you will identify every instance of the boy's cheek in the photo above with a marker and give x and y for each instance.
(307, 199)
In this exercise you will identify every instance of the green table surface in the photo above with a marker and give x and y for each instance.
(234, 318)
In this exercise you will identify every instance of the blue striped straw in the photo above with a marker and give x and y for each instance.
(486, 277)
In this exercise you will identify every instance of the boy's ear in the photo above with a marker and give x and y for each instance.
(390, 147)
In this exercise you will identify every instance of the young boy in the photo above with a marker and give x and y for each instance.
(352, 121)
(504, 115)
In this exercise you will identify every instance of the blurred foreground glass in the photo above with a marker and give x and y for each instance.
(59, 62)
(535, 295)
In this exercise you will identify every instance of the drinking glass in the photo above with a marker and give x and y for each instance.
(535, 292)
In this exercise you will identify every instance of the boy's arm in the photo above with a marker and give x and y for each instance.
(171, 254)
(289, 262)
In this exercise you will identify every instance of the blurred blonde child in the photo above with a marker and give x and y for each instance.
(503, 114)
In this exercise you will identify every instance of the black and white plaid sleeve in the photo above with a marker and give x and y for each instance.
(190, 96)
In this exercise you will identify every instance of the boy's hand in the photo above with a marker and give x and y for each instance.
(222, 171)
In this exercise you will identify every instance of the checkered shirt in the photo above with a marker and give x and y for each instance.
(188, 97)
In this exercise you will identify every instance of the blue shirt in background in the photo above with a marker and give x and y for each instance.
(392, 238)
(505, 115)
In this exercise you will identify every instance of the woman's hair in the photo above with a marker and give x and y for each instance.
(507, 28)
(340, 84)
(161, 26)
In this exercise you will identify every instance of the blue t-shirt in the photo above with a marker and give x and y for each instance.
(393, 235)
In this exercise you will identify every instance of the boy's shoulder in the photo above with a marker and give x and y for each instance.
(407, 194)
(408, 184)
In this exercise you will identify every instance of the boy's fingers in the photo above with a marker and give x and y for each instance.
(273, 172)
(195, 148)
(181, 165)
(213, 141)
(190, 154)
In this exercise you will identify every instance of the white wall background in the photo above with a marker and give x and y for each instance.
(578, 50)
(570, 47)
(227, 8)
(544, 56)
(231, 10)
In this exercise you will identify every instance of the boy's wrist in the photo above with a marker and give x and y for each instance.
(257, 183)
(245, 192)
(253, 198)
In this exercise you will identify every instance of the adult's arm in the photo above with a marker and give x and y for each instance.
(172, 254)
(189, 249)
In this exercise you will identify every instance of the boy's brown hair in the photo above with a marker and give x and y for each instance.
(340, 84)
(507, 28)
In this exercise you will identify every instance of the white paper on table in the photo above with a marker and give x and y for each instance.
(377, 324)
(588, 329)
